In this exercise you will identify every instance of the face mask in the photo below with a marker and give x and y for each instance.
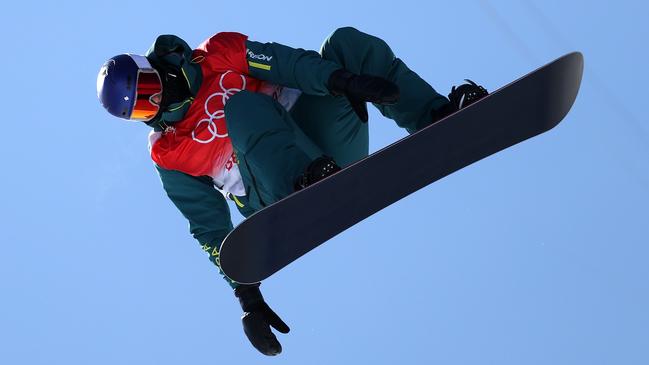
(181, 78)
(175, 87)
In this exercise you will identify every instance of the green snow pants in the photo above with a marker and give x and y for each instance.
(274, 146)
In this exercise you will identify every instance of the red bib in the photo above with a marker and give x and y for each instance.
(199, 144)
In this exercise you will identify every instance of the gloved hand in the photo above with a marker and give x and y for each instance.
(360, 89)
(257, 318)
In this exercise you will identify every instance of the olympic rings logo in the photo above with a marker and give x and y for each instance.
(212, 117)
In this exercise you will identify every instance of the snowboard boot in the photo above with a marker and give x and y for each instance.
(460, 97)
(317, 170)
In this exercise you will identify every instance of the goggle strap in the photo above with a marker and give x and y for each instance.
(141, 62)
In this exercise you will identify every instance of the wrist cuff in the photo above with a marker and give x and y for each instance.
(249, 296)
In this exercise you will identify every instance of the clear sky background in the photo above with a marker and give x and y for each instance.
(537, 255)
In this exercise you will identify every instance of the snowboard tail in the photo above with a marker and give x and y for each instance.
(273, 237)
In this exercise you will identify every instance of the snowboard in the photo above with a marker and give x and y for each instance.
(277, 235)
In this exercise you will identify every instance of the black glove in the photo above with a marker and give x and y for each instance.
(360, 89)
(257, 318)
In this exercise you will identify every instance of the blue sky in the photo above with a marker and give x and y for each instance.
(537, 255)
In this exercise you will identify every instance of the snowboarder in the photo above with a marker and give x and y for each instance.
(254, 122)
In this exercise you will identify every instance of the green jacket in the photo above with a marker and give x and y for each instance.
(197, 198)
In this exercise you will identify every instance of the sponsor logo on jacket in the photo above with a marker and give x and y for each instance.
(261, 56)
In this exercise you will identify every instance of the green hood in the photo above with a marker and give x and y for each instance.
(170, 50)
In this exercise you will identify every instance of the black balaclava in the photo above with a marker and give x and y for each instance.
(181, 78)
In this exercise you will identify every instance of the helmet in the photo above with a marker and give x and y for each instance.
(130, 88)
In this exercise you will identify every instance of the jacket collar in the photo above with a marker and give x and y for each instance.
(170, 51)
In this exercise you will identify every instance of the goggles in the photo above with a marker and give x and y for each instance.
(148, 91)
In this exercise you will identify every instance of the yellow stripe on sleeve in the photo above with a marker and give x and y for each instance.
(259, 65)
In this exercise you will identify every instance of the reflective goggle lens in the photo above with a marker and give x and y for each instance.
(148, 86)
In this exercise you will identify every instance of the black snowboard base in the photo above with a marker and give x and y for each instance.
(282, 232)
